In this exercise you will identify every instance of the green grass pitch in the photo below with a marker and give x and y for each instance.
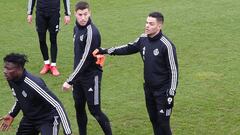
(206, 34)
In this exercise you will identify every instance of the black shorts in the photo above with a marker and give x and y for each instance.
(88, 88)
(48, 126)
(47, 21)
(156, 100)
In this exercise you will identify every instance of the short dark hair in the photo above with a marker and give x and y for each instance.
(81, 5)
(16, 58)
(158, 16)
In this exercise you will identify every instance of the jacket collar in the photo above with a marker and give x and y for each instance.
(156, 37)
(21, 79)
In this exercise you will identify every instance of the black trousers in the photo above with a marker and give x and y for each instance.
(88, 91)
(48, 21)
(49, 126)
(159, 113)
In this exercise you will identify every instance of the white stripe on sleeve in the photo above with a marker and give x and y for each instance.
(85, 54)
(172, 65)
(52, 101)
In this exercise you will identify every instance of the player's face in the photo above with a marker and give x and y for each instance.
(11, 71)
(82, 16)
(152, 26)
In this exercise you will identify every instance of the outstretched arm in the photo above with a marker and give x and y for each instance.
(127, 49)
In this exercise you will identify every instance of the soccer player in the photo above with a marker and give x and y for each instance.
(47, 18)
(160, 70)
(87, 75)
(42, 111)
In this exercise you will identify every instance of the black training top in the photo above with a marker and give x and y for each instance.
(86, 39)
(36, 101)
(47, 6)
(160, 60)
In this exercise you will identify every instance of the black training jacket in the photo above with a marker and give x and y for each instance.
(160, 60)
(36, 101)
(47, 6)
(86, 40)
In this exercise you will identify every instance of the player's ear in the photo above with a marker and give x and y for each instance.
(89, 12)
(160, 25)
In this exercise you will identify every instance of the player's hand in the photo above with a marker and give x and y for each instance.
(100, 51)
(29, 19)
(6, 122)
(100, 59)
(95, 52)
(66, 86)
(67, 20)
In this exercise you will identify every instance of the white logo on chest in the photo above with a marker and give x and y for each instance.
(155, 52)
(24, 93)
(81, 38)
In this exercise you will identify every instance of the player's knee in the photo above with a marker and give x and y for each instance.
(42, 36)
(164, 121)
(42, 42)
(95, 112)
(153, 120)
(53, 37)
(79, 108)
(53, 41)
